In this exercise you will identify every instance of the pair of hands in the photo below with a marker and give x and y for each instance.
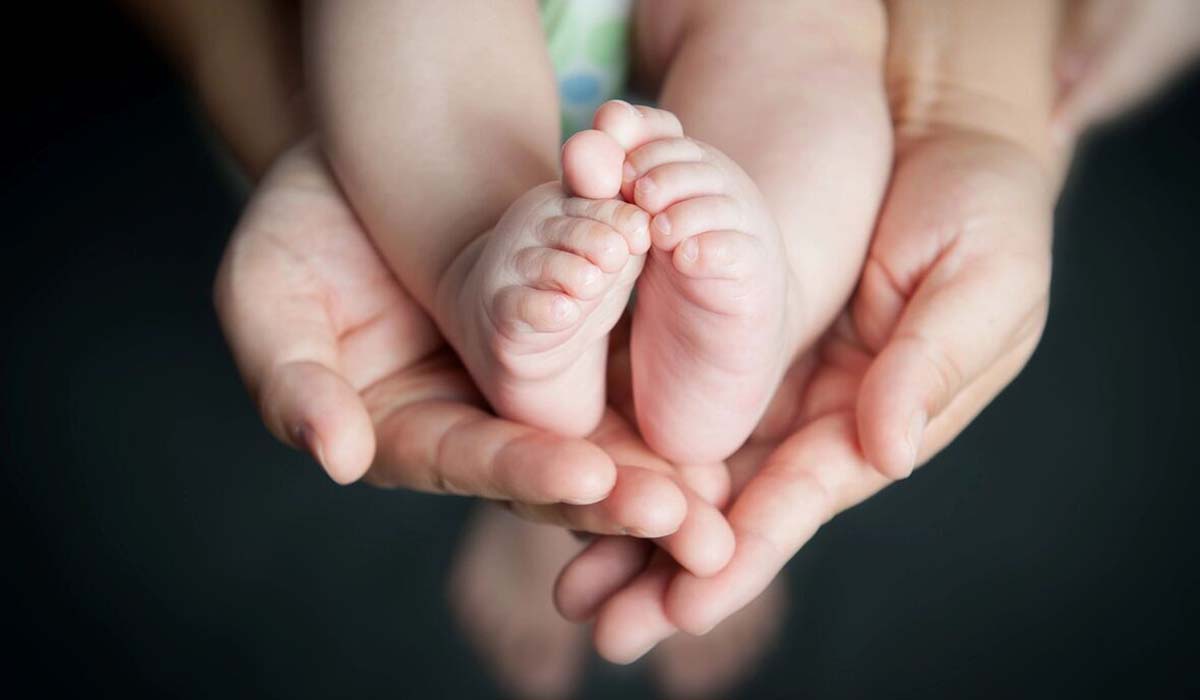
(949, 306)
(345, 365)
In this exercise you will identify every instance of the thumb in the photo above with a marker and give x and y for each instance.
(285, 347)
(951, 331)
(307, 405)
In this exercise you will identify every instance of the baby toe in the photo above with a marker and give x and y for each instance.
(599, 243)
(693, 216)
(651, 155)
(674, 182)
(519, 310)
(591, 164)
(558, 270)
(628, 220)
(728, 255)
(632, 126)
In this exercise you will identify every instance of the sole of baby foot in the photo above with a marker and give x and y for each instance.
(711, 666)
(499, 593)
(713, 323)
(529, 305)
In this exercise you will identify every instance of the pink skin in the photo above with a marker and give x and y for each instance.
(533, 302)
(415, 418)
(1115, 53)
(968, 276)
(711, 326)
(381, 397)
(530, 304)
(535, 299)
(675, 507)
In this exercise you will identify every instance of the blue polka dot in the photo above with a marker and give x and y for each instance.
(580, 88)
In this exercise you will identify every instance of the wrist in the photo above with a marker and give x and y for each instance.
(975, 68)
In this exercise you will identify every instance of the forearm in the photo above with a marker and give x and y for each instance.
(435, 118)
(974, 66)
(242, 59)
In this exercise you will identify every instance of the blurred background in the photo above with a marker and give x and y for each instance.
(161, 541)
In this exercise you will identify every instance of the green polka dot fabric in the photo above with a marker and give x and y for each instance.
(588, 42)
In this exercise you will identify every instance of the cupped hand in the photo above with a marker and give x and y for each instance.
(950, 306)
(344, 364)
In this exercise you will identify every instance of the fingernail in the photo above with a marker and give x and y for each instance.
(644, 188)
(630, 107)
(628, 173)
(584, 500)
(642, 228)
(306, 437)
(642, 652)
(591, 276)
(916, 429)
(691, 250)
(663, 223)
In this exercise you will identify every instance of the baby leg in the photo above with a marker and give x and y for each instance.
(447, 148)
(800, 110)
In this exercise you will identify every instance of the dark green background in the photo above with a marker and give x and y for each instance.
(160, 540)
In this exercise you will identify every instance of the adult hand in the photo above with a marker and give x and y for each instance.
(950, 307)
(343, 363)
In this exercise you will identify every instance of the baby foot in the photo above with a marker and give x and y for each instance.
(529, 305)
(711, 325)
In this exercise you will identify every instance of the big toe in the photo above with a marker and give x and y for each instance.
(632, 126)
(591, 163)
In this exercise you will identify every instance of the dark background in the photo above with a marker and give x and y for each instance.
(160, 540)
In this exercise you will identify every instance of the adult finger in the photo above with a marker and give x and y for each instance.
(806, 480)
(974, 398)
(643, 503)
(598, 572)
(813, 475)
(286, 348)
(693, 531)
(633, 620)
(951, 331)
(958, 273)
(444, 445)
